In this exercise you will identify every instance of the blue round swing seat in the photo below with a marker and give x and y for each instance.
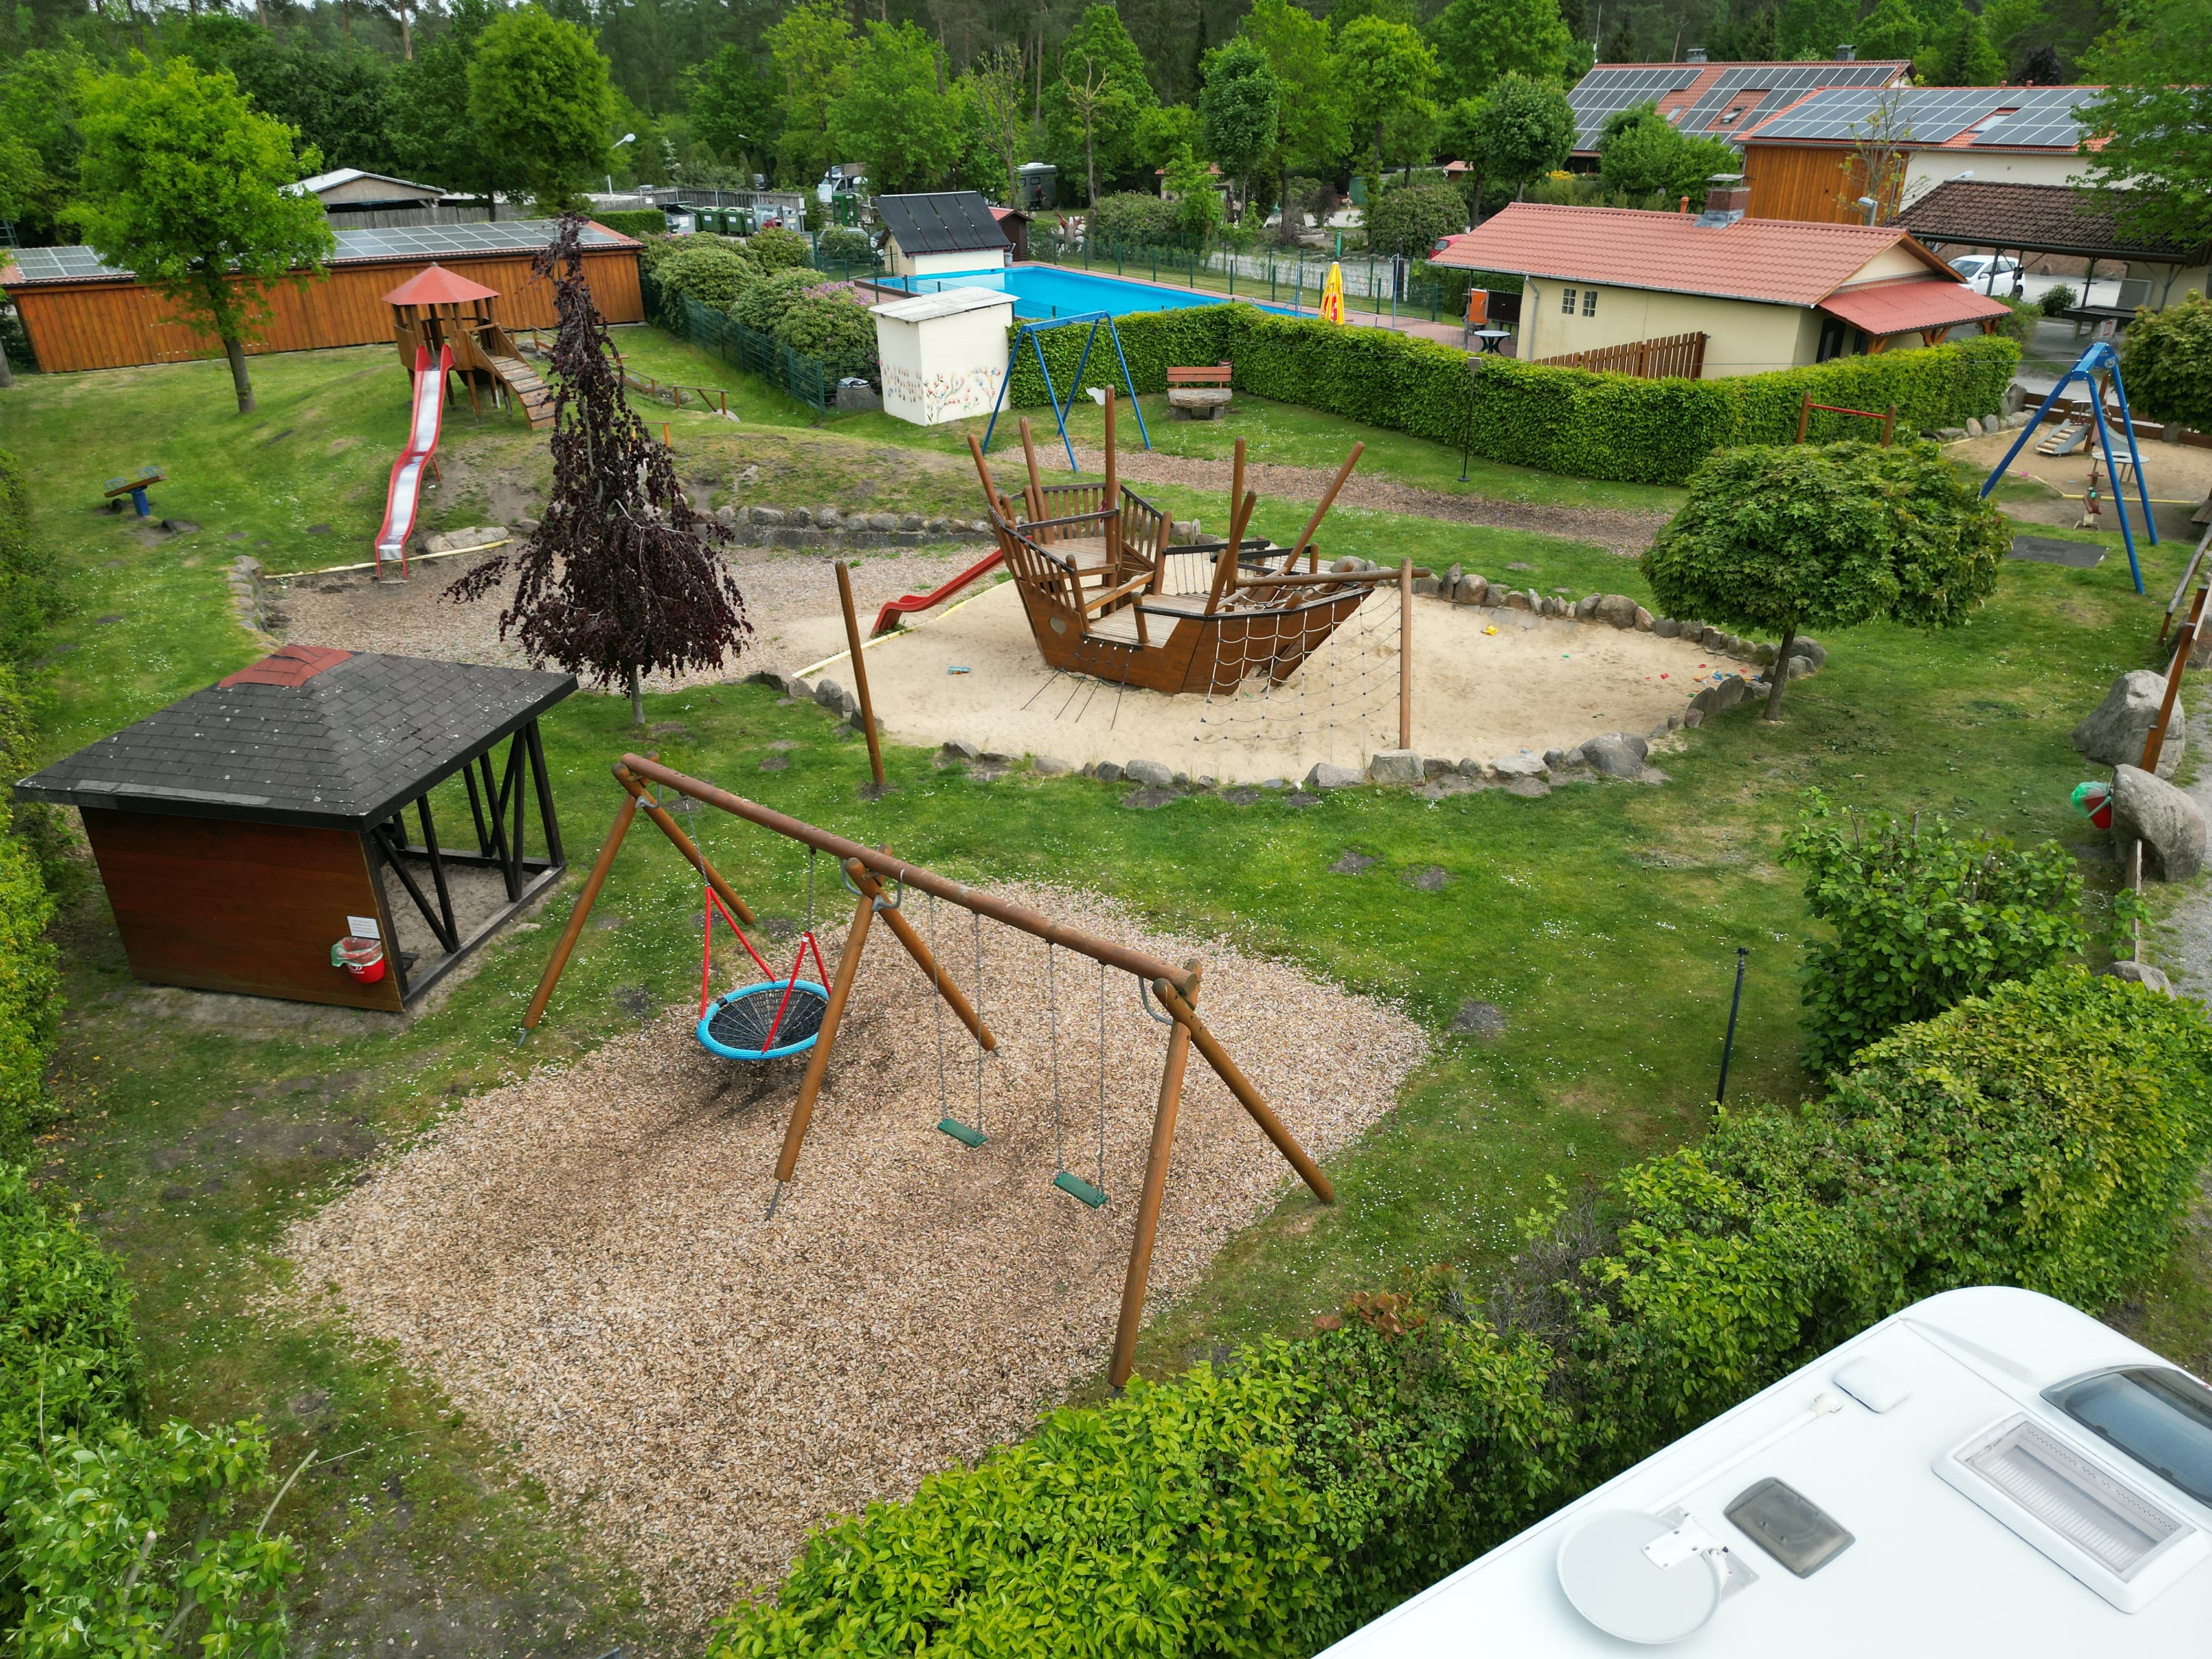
(738, 1024)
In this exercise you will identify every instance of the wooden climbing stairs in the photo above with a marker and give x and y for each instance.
(531, 395)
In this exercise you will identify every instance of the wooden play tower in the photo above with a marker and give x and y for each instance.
(435, 308)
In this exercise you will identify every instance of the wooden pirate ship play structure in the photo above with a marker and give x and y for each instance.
(1109, 595)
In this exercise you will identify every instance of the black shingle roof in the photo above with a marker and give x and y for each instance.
(343, 750)
(941, 222)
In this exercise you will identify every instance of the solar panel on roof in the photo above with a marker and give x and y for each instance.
(2043, 116)
(1607, 91)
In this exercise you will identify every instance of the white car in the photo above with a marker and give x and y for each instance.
(1989, 273)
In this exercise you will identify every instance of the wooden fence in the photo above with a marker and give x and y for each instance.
(1670, 355)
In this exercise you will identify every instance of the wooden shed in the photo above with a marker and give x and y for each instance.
(80, 313)
(245, 831)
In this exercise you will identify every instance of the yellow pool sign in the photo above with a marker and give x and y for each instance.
(1332, 295)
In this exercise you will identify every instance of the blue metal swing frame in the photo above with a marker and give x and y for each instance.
(1028, 332)
(2100, 354)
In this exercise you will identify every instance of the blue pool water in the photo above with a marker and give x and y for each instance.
(1042, 292)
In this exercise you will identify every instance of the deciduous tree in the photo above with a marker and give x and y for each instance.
(2166, 362)
(1523, 127)
(1240, 112)
(184, 184)
(1311, 127)
(995, 84)
(2155, 171)
(539, 95)
(1388, 73)
(1477, 41)
(893, 114)
(733, 108)
(812, 47)
(1092, 110)
(620, 579)
(1640, 152)
(1780, 539)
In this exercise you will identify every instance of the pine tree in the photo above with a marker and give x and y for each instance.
(620, 579)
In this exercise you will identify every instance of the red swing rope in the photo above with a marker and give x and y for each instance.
(806, 942)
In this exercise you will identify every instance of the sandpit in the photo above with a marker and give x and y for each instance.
(1532, 683)
(582, 1259)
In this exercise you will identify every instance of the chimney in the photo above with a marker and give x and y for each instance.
(1696, 55)
(1847, 54)
(1727, 197)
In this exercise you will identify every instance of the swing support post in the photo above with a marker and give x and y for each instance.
(817, 1060)
(1149, 1199)
(1171, 998)
(624, 816)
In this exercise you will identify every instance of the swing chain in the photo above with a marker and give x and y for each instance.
(1052, 1005)
(1102, 1078)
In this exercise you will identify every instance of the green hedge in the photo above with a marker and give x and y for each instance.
(64, 1323)
(1560, 420)
(30, 982)
(639, 221)
(2047, 1135)
(27, 588)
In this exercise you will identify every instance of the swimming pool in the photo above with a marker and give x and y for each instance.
(1042, 292)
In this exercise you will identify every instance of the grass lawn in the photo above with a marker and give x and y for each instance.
(1602, 920)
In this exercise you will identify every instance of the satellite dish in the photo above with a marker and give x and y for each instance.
(1617, 1586)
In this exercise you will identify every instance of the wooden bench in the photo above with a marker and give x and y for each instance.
(1199, 394)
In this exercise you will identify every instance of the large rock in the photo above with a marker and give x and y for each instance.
(1719, 697)
(1151, 774)
(1617, 609)
(2113, 733)
(2170, 825)
(1325, 776)
(1616, 754)
(2140, 973)
(1812, 650)
(1519, 766)
(1395, 766)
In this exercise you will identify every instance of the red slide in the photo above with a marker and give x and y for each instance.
(887, 618)
(403, 497)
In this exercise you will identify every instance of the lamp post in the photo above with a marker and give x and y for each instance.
(626, 138)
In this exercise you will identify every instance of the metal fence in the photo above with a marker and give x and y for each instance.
(806, 378)
(1380, 283)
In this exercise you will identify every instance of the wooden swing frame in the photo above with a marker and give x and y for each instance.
(868, 869)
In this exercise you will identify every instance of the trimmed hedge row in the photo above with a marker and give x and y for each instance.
(1561, 420)
(635, 221)
(2047, 1135)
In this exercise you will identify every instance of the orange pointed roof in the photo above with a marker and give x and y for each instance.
(437, 286)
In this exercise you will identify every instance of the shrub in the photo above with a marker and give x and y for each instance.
(1923, 919)
(65, 1324)
(2166, 360)
(844, 246)
(777, 249)
(1132, 219)
(763, 301)
(1561, 420)
(639, 222)
(1783, 538)
(30, 982)
(831, 324)
(2047, 1135)
(2057, 300)
(1412, 218)
(710, 272)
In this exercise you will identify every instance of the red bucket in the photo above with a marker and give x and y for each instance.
(362, 957)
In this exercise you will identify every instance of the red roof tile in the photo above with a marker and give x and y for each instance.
(1898, 308)
(1773, 261)
(435, 285)
(290, 664)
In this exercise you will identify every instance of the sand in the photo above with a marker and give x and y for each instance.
(582, 1259)
(1535, 683)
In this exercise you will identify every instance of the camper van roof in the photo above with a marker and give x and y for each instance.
(1934, 1493)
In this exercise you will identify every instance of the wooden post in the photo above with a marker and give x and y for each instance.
(665, 822)
(1235, 488)
(1148, 1201)
(623, 816)
(2154, 741)
(1004, 508)
(1405, 653)
(817, 1062)
(1247, 1096)
(1327, 500)
(903, 931)
(1804, 415)
(1888, 425)
(861, 675)
(1036, 479)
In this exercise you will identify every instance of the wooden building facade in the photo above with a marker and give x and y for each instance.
(245, 833)
(80, 314)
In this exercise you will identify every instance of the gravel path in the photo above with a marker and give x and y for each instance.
(791, 599)
(1614, 529)
(581, 1257)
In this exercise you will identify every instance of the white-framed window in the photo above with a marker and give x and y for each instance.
(1566, 302)
(1589, 302)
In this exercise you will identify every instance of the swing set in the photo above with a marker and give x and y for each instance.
(776, 1017)
(1028, 332)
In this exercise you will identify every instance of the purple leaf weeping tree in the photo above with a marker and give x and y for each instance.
(621, 578)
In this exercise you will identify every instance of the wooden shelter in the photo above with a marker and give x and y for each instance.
(434, 308)
(80, 313)
(245, 830)
(1107, 595)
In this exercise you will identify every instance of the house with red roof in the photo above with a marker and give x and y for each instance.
(1763, 293)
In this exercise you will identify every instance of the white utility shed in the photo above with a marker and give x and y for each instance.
(944, 355)
(1988, 1471)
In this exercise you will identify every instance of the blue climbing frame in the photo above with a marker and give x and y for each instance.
(1028, 332)
(2100, 354)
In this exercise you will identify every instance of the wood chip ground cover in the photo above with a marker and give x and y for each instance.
(581, 1257)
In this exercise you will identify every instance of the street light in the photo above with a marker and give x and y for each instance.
(626, 138)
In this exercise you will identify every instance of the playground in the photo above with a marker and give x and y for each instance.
(581, 1257)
